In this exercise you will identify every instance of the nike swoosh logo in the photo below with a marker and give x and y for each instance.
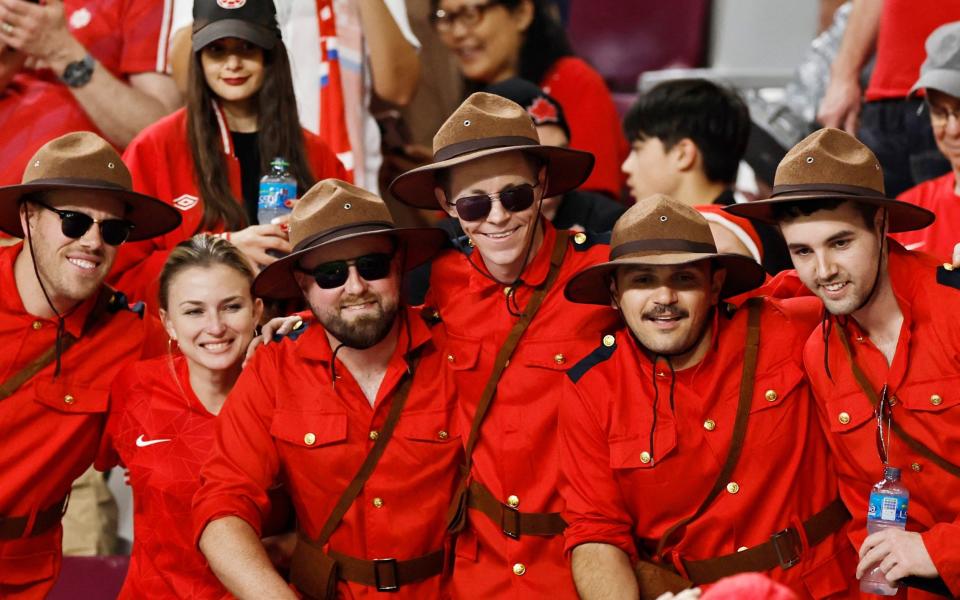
(141, 443)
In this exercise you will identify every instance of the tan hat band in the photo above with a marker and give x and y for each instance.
(664, 245)
(78, 181)
(339, 232)
(469, 146)
(799, 189)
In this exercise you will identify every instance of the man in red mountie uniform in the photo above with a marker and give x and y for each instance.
(309, 411)
(884, 366)
(650, 420)
(510, 335)
(65, 337)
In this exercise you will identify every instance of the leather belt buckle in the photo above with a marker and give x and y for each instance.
(788, 546)
(390, 580)
(510, 521)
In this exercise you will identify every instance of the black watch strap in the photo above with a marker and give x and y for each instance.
(78, 73)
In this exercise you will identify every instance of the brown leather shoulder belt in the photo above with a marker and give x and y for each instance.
(12, 528)
(512, 522)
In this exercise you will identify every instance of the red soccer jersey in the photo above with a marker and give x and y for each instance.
(161, 433)
(939, 196)
(161, 164)
(52, 426)
(286, 418)
(518, 449)
(616, 493)
(125, 36)
(924, 381)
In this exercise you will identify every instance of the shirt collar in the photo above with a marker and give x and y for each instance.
(533, 274)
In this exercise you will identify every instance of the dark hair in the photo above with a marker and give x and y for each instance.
(279, 134)
(788, 211)
(715, 118)
(203, 250)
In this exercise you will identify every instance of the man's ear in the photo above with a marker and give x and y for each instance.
(441, 197)
(881, 223)
(24, 216)
(719, 277)
(614, 294)
(686, 155)
(523, 15)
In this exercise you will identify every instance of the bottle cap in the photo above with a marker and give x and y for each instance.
(279, 162)
(891, 473)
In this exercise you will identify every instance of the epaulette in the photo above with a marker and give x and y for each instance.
(601, 353)
(430, 316)
(294, 333)
(118, 301)
(584, 240)
(949, 276)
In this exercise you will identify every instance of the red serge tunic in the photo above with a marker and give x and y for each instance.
(783, 477)
(285, 419)
(51, 426)
(161, 164)
(159, 430)
(518, 450)
(924, 379)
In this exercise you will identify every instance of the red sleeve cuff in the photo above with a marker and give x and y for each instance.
(584, 531)
(218, 507)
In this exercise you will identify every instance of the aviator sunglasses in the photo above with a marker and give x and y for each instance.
(476, 208)
(75, 225)
(335, 273)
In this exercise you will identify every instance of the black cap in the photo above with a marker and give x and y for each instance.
(542, 108)
(252, 20)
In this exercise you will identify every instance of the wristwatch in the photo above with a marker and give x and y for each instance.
(78, 73)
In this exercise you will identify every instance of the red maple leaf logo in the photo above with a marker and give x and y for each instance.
(543, 111)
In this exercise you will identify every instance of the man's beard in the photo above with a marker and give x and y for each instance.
(363, 332)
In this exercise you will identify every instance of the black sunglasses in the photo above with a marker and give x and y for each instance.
(335, 273)
(884, 414)
(75, 224)
(476, 208)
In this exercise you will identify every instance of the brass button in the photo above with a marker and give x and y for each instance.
(844, 418)
(579, 238)
(742, 548)
(559, 359)
(374, 435)
(733, 487)
(709, 424)
(916, 467)
(450, 358)
(513, 501)
(37, 325)
(519, 569)
(470, 242)
(645, 457)
(609, 340)
(442, 434)
(69, 399)
(309, 439)
(936, 400)
(507, 290)
(770, 395)
(377, 502)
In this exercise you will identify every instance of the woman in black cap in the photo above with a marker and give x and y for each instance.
(207, 159)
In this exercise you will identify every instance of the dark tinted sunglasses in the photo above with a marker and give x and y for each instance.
(75, 224)
(335, 273)
(476, 208)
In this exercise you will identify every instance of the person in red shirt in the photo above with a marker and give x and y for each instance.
(207, 158)
(65, 337)
(885, 357)
(656, 464)
(940, 82)
(508, 337)
(363, 383)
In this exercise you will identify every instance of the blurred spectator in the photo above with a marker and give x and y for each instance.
(70, 65)
(499, 39)
(888, 120)
(940, 80)
(207, 159)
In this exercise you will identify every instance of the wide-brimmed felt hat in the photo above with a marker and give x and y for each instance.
(333, 211)
(485, 125)
(941, 69)
(830, 164)
(83, 161)
(254, 21)
(658, 230)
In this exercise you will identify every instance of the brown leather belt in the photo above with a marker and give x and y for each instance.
(784, 549)
(12, 528)
(388, 574)
(512, 522)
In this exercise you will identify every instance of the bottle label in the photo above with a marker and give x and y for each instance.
(276, 195)
(892, 509)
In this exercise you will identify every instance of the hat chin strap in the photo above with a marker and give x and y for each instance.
(876, 278)
(60, 322)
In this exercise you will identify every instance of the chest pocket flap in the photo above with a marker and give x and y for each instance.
(932, 395)
(775, 385)
(634, 452)
(461, 353)
(848, 408)
(68, 397)
(434, 426)
(556, 355)
(309, 429)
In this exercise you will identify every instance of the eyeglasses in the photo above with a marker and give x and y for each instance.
(939, 116)
(884, 414)
(476, 208)
(75, 225)
(469, 16)
(334, 274)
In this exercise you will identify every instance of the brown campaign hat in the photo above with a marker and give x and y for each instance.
(658, 230)
(831, 164)
(85, 161)
(333, 211)
(484, 125)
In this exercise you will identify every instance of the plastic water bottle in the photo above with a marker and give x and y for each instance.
(888, 509)
(278, 189)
